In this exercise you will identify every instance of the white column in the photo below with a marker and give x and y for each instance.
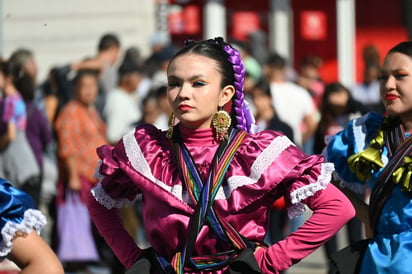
(345, 16)
(214, 19)
(162, 10)
(280, 28)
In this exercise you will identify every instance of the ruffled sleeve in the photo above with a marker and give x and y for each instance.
(124, 169)
(18, 214)
(277, 166)
(115, 188)
(354, 138)
(122, 172)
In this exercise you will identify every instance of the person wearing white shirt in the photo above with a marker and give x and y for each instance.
(121, 109)
(293, 103)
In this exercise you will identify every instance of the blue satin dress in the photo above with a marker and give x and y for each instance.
(390, 251)
(18, 213)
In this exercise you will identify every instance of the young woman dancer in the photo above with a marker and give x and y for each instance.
(208, 183)
(376, 149)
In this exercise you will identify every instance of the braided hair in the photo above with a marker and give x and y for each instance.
(232, 69)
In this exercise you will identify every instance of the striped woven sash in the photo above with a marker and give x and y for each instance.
(203, 195)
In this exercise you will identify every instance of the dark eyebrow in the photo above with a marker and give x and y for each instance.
(194, 77)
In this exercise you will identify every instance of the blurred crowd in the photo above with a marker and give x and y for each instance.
(49, 131)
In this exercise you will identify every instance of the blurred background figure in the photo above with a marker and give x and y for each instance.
(293, 104)
(335, 112)
(265, 115)
(309, 78)
(38, 130)
(17, 160)
(122, 110)
(162, 121)
(150, 109)
(104, 61)
(80, 130)
(367, 92)
(266, 118)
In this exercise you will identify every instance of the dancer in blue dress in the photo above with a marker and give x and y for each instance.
(376, 151)
(20, 225)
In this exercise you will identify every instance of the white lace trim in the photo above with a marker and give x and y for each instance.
(33, 220)
(306, 191)
(97, 174)
(108, 202)
(136, 158)
(259, 166)
(359, 133)
(296, 210)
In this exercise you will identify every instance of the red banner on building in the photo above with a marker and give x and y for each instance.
(313, 25)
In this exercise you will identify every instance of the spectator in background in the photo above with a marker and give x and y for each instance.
(51, 95)
(293, 103)
(17, 160)
(335, 112)
(158, 42)
(161, 61)
(371, 55)
(150, 109)
(309, 78)
(253, 71)
(80, 130)
(257, 41)
(162, 121)
(265, 115)
(121, 110)
(108, 52)
(367, 92)
(266, 118)
(38, 130)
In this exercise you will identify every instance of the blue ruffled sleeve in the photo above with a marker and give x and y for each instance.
(354, 138)
(18, 213)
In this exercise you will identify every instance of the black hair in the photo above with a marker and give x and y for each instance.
(232, 70)
(4, 68)
(160, 91)
(275, 60)
(404, 47)
(82, 73)
(107, 41)
(333, 87)
(264, 86)
(214, 51)
(23, 82)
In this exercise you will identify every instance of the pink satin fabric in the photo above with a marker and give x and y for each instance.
(255, 179)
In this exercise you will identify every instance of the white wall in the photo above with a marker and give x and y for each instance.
(60, 31)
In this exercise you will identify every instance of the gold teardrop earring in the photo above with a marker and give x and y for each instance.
(221, 122)
(169, 132)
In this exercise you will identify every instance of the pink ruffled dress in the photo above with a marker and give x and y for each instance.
(266, 166)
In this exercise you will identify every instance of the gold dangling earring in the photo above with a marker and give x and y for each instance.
(169, 132)
(221, 122)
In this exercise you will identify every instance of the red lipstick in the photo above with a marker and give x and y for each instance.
(185, 107)
(390, 97)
